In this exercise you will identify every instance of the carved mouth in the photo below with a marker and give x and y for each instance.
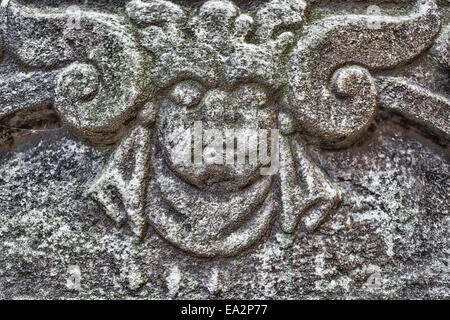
(216, 178)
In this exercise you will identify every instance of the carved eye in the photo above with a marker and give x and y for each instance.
(186, 93)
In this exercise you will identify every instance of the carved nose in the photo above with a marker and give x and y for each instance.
(218, 107)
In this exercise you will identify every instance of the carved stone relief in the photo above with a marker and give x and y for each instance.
(127, 81)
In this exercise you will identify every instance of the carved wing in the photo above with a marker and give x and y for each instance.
(335, 113)
(331, 97)
(89, 67)
(87, 64)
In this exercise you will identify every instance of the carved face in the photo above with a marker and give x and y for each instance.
(224, 109)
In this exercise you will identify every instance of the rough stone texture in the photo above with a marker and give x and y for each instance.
(92, 104)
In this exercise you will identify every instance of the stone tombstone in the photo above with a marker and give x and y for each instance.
(215, 149)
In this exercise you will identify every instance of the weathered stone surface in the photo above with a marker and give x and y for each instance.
(95, 105)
